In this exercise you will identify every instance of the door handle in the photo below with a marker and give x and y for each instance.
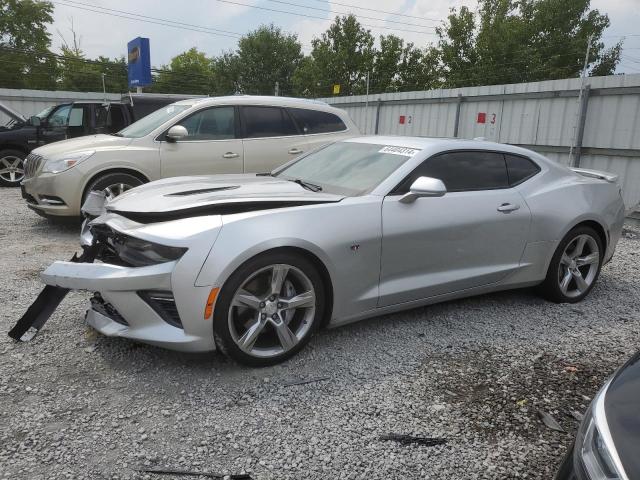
(230, 155)
(508, 207)
(295, 151)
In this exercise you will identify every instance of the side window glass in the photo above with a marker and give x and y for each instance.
(314, 121)
(59, 117)
(463, 171)
(267, 122)
(101, 116)
(76, 117)
(520, 169)
(211, 124)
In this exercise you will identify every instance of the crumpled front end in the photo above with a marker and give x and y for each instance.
(143, 280)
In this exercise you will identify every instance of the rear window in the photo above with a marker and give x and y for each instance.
(313, 121)
(262, 122)
(520, 169)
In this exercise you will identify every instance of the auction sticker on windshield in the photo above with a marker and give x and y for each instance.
(405, 151)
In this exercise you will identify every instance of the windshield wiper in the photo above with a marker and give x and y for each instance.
(116, 134)
(307, 185)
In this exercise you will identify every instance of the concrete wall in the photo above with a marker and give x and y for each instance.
(543, 116)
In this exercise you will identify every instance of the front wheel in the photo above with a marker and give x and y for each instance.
(11, 168)
(268, 309)
(575, 266)
(113, 184)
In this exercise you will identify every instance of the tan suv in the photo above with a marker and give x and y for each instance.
(192, 137)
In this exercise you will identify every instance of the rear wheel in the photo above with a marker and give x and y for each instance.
(575, 266)
(11, 167)
(113, 184)
(269, 309)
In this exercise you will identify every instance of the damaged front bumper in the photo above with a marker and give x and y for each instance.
(135, 291)
(128, 304)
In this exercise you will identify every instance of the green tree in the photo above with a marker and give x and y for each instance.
(191, 72)
(226, 74)
(384, 77)
(266, 56)
(24, 45)
(343, 55)
(457, 47)
(400, 67)
(76, 73)
(418, 69)
(115, 74)
(511, 41)
(306, 81)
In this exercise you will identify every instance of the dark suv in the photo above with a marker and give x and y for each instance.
(68, 120)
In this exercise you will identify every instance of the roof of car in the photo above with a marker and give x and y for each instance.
(257, 100)
(439, 143)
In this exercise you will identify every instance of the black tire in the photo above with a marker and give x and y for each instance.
(108, 179)
(221, 329)
(13, 158)
(550, 288)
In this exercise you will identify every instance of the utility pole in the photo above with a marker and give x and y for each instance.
(277, 90)
(366, 104)
(580, 113)
(104, 89)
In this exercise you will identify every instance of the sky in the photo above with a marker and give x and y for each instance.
(107, 35)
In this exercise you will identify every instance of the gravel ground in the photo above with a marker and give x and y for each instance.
(74, 404)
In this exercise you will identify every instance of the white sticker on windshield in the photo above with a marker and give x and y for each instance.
(407, 152)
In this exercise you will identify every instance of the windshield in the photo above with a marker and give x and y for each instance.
(348, 167)
(44, 113)
(148, 124)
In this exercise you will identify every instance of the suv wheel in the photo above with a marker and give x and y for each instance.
(113, 184)
(11, 167)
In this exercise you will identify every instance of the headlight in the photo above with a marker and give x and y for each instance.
(141, 253)
(595, 450)
(60, 163)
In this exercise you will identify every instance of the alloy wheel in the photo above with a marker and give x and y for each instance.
(11, 168)
(112, 191)
(578, 265)
(272, 311)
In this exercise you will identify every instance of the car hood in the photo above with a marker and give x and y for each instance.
(622, 404)
(90, 142)
(182, 197)
(7, 110)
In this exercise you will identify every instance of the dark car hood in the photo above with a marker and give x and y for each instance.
(180, 197)
(622, 408)
(12, 113)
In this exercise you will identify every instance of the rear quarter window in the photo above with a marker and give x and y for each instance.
(519, 169)
(314, 121)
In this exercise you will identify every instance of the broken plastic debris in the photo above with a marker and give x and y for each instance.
(409, 440)
(173, 471)
(304, 382)
(550, 422)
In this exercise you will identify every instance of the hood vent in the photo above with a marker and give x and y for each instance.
(201, 190)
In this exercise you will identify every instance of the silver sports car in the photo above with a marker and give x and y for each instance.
(253, 265)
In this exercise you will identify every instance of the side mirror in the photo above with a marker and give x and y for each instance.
(177, 132)
(424, 187)
(35, 120)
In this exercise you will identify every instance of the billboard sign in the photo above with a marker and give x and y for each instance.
(139, 62)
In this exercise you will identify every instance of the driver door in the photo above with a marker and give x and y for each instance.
(464, 239)
(212, 145)
(55, 126)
